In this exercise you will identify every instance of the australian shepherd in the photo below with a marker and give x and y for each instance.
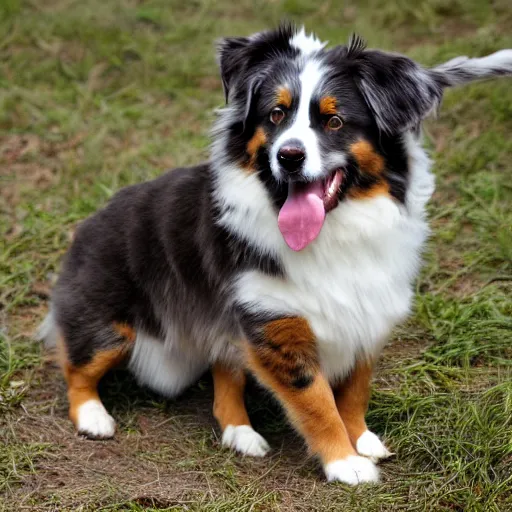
(291, 254)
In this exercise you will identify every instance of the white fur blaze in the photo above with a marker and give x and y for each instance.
(371, 446)
(94, 421)
(301, 129)
(245, 440)
(306, 43)
(352, 471)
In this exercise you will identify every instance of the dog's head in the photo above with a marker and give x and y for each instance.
(319, 125)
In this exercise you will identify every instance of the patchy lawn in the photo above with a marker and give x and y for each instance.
(97, 94)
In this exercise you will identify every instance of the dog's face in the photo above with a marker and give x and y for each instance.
(307, 118)
(319, 126)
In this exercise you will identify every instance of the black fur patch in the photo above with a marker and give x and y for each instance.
(398, 91)
(153, 254)
(244, 63)
(238, 56)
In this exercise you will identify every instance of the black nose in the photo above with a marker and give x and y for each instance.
(291, 156)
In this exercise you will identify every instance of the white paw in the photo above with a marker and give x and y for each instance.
(353, 470)
(94, 421)
(371, 446)
(245, 440)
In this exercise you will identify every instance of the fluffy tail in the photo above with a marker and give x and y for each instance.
(47, 332)
(462, 70)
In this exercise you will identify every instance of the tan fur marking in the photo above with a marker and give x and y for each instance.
(284, 97)
(380, 188)
(83, 380)
(352, 397)
(368, 159)
(291, 330)
(328, 105)
(311, 409)
(289, 350)
(229, 405)
(126, 331)
(257, 140)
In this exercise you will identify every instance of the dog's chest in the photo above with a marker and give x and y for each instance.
(352, 289)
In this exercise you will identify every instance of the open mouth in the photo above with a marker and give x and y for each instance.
(331, 189)
(302, 216)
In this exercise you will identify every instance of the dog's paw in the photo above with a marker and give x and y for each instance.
(245, 440)
(94, 421)
(371, 446)
(352, 470)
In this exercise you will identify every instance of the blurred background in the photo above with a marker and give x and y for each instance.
(99, 94)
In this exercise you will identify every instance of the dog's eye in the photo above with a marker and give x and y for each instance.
(277, 115)
(334, 123)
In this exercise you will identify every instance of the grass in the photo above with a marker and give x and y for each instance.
(95, 95)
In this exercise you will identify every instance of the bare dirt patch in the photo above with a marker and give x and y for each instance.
(165, 453)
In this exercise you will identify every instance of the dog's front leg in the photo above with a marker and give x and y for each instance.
(282, 354)
(229, 410)
(352, 396)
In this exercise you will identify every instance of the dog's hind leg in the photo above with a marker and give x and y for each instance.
(229, 410)
(86, 411)
(352, 397)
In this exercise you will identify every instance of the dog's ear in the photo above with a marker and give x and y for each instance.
(240, 57)
(232, 56)
(244, 63)
(235, 57)
(401, 93)
(398, 91)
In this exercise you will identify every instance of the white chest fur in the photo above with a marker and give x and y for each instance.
(353, 283)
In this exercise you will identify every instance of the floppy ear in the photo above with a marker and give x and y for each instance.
(232, 56)
(397, 90)
(401, 93)
(244, 63)
(239, 56)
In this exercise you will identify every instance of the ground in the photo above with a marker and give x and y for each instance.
(98, 94)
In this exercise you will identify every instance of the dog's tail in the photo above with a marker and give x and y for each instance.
(48, 332)
(462, 70)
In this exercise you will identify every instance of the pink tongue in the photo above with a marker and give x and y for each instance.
(302, 216)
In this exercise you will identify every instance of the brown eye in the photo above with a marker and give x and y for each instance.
(277, 115)
(334, 123)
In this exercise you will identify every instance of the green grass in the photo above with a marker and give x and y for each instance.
(95, 95)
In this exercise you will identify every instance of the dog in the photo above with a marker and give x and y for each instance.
(290, 254)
